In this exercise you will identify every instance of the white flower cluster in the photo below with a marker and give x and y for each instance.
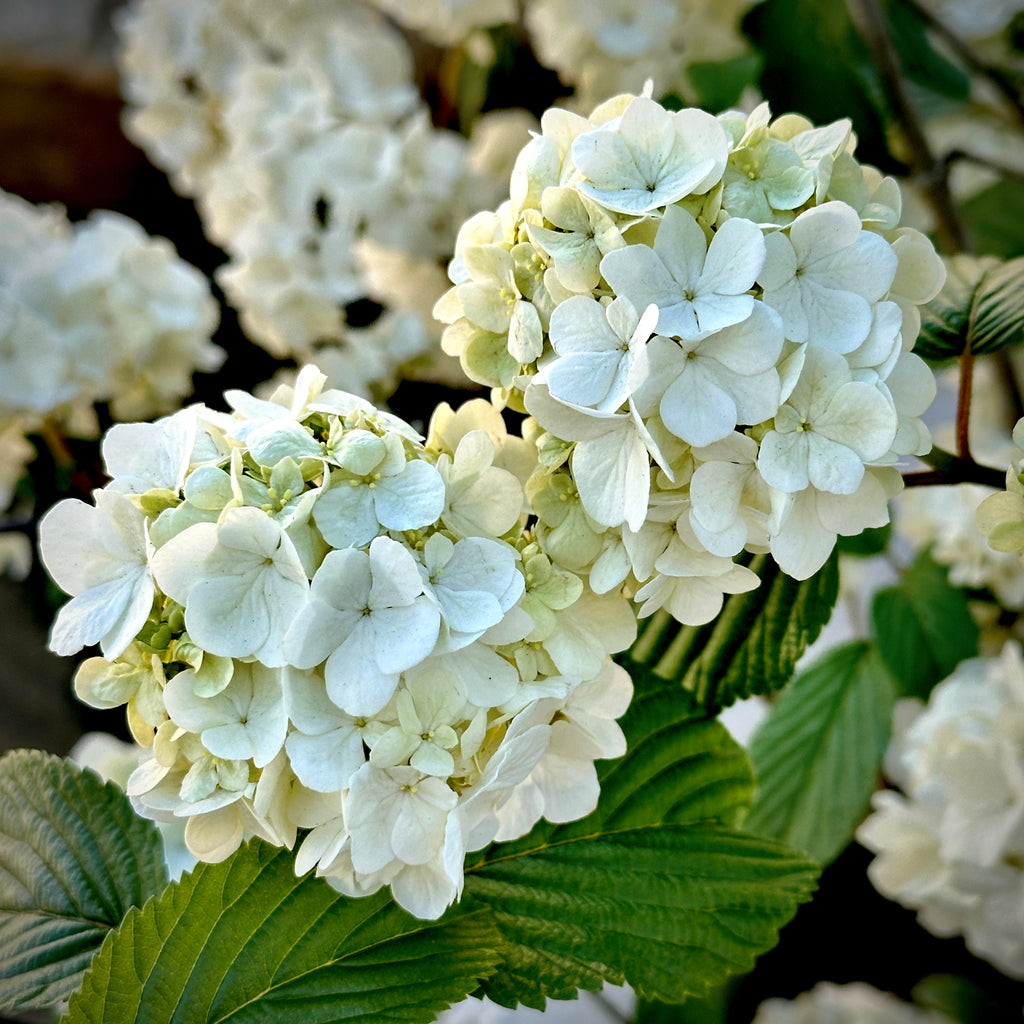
(952, 847)
(946, 518)
(602, 47)
(299, 131)
(598, 47)
(1000, 517)
(95, 312)
(709, 320)
(448, 22)
(855, 1003)
(316, 621)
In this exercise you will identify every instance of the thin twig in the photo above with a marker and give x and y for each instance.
(993, 74)
(951, 469)
(983, 161)
(932, 173)
(963, 406)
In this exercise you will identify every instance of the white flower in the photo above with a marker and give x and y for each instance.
(601, 352)
(651, 158)
(247, 719)
(241, 583)
(376, 487)
(396, 813)
(144, 456)
(823, 276)
(854, 1003)
(98, 555)
(830, 426)
(326, 746)
(702, 388)
(698, 288)
(368, 620)
(474, 581)
(951, 847)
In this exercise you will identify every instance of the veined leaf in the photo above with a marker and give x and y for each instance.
(923, 627)
(74, 857)
(980, 308)
(673, 910)
(751, 648)
(817, 754)
(245, 941)
(648, 887)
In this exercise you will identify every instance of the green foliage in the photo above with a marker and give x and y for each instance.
(816, 65)
(871, 541)
(958, 998)
(817, 755)
(245, 940)
(674, 910)
(995, 217)
(74, 857)
(719, 84)
(921, 62)
(923, 627)
(610, 897)
(980, 309)
(751, 648)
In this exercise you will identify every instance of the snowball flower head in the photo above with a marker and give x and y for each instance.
(951, 844)
(708, 377)
(855, 1003)
(316, 622)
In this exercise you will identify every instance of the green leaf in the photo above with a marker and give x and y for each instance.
(817, 755)
(572, 917)
(923, 627)
(719, 84)
(74, 857)
(996, 218)
(958, 998)
(678, 770)
(980, 308)
(816, 65)
(751, 648)
(871, 541)
(673, 910)
(245, 941)
(920, 61)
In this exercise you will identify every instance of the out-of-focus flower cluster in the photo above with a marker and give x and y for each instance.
(301, 134)
(1001, 516)
(856, 1003)
(945, 518)
(951, 845)
(318, 621)
(709, 321)
(598, 47)
(97, 311)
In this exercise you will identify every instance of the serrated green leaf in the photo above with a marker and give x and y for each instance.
(980, 308)
(673, 910)
(246, 941)
(74, 857)
(678, 770)
(923, 627)
(751, 647)
(817, 754)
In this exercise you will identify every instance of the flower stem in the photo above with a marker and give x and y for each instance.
(952, 469)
